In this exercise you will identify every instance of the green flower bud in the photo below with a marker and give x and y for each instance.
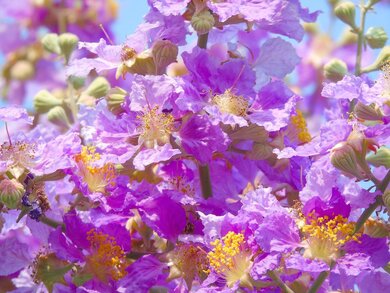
(98, 88)
(335, 70)
(376, 229)
(376, 37)
(67, 43)
(333, 2)
(346, 12)
(22, 70)
(44, 101)
(164, 52)
(51, 43)
(344, 157)
(381, 158)
(384, 57)
(76, 82)
(203, 22)
(252, 132)
(57, 115)
(260, 151)
(373, 2)
(143, 64)
(11, 192)
(115, 99)
(368, 112)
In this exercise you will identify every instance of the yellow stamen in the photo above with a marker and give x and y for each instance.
(97, 178)
(231, 104)
(326, 236)
(230, 258)
(107, 259)
(156, 128)
(127, 53)
(300, 124)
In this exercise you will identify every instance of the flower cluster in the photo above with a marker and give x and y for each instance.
(193, 157)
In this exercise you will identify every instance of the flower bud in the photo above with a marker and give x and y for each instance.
(335, 70)
(333, 2)
(44, 101)
(381, 158)
(143, 64)
(164, 52)
(368, 112)
(344, 157)
(115, 99)
(376, 37)
(51, 43)
(22, 70)
(383, 57)
(67, 43)
(177, 69)
(202, 22)
(346, 12)
(76, 82)
(98, 88)
(11, 192)
(260, 151)
(57, 115)
(376, 229)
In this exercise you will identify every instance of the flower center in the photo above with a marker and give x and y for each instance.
(97, 178)
(299, 122)
(107, 259)
(231, 104)
(326, 236)
(180, 184)
(156, 128)
(127, 53)
(230, 257)
(19, 155)
(190, 261)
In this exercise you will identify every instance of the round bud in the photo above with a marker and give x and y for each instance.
(177, 69)
(376, 229)
(67, 43)
(381, 158)
(115, 99)
(22, 70)
(344, 158)
(335, 70)
(383, 57)
(376, 37)
(98, 88)
(51, 44)
(44, 101)
(11, 192)
(164, 52)
(368, 112)
(57, 115)
(346, 12)
(203, 22)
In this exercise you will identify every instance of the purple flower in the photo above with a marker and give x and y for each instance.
(12, 114)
